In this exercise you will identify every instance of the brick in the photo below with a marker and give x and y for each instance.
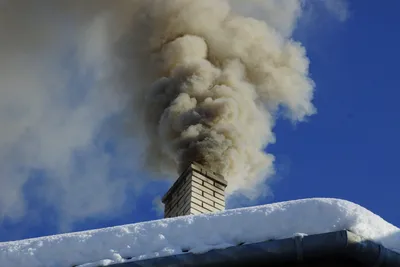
(172, 213)
(166, 214)
(185, 202)
(197, 195)
(218, 206)
(183, 206)
(195, 212)
(202, 188)
(209, 207)
(197, 180)
(195, 167)
(177, 206)
(213, 188)
(178, 202)
(210, 174)
(179, 184)
(181, 190)
(219, 202)
(196, 190)
(187, 175)
(209, 196)
(214, 199)
(220, 186)
(184, 199)
(218, 195)
(203, 199)
(187, 187)
(214, 176)
(196, 200)
(184, 211)
(203, 178)
(173, 202)
(201, 208)
(187, 210)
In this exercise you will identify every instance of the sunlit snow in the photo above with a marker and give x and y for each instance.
(199, 234)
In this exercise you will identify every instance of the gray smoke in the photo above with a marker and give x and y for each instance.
(215, 83)
(191, 79)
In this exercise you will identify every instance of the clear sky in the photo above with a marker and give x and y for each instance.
(348, 150)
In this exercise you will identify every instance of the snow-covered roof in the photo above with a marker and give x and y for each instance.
(199, 234)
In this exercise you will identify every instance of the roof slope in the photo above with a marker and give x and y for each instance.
(199, 234)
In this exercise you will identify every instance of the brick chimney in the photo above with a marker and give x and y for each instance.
(196, 191)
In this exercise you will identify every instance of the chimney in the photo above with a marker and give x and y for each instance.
(196, 191)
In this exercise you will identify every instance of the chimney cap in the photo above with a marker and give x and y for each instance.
(218, 178)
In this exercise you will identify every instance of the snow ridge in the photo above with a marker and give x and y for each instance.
(199, 234)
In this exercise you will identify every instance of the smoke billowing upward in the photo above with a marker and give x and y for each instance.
(188, 79)
(218, 80)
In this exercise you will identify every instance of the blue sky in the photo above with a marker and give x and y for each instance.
(348, 150)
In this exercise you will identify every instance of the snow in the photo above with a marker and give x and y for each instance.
(199, 234)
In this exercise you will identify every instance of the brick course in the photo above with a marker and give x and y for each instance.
(196, 191)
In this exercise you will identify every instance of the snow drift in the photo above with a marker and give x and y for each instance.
(199, 234)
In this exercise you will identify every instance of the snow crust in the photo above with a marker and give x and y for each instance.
(199, 234)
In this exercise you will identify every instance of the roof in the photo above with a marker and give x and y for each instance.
(233, 231)
(341, 246)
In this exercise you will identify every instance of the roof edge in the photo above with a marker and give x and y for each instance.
(340, 244)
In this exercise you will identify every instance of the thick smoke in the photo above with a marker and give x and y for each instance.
(191, 80)
(218, 81)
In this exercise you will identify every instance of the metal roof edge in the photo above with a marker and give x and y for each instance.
(340, 244)
(370, 253)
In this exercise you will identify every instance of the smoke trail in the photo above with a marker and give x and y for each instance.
(194, 80)
(218, 81)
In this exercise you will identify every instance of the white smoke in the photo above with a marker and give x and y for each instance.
(194, 80)
(54, 98)
(217, 81)
(281, 15)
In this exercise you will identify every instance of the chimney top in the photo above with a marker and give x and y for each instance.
(197, 190)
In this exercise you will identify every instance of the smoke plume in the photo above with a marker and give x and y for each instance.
(187, 80)
(215, 83)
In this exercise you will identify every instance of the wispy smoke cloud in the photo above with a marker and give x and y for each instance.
(54, 99)
(190, 80)
(339, 8)
(281, 15)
